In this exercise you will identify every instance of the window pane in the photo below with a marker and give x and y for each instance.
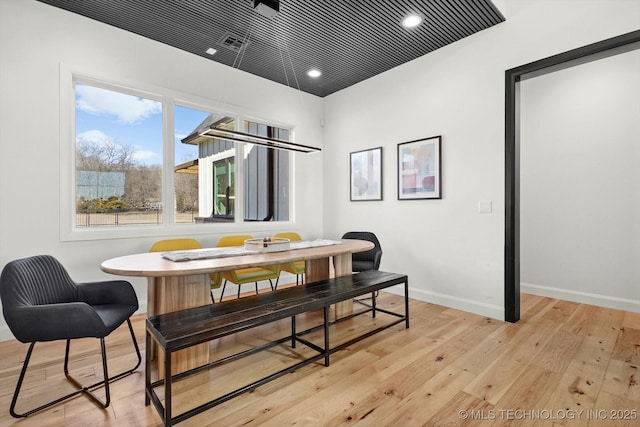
(223, 187)
(118, 158)
(266, 176)
(214, 166)
(187, 121)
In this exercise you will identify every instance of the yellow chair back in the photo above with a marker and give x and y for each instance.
(288, 235)
(235, 240)
(184, 244)
(296, 267)
(246, 275)
(175, 245)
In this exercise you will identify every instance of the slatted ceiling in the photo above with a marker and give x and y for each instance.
(349, 41)
(484, 18)
(488, 16)
(450, 28)
(473, 21)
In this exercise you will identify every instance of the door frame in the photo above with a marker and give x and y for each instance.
(513, 77)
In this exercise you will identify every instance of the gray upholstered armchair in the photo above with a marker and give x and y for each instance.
(40, 302)
(368, 260)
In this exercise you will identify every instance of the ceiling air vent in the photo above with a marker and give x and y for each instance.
(232, 42)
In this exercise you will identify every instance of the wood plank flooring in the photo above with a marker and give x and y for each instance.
(563, 364)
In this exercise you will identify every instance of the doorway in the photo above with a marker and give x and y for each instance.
(513, 77)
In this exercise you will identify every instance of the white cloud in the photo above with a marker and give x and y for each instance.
(96, 137)
(143, 156)
(128, 109)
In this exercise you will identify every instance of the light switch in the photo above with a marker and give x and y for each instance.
(484, 206)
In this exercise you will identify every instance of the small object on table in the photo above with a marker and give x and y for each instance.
(267, 244)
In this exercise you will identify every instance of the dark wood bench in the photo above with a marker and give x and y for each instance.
(182, 329)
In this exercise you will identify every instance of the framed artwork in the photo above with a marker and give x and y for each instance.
(366, 174)
(419, 169)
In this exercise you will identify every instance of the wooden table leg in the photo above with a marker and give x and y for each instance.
(318, 269)
(343, 267)
(174, 293)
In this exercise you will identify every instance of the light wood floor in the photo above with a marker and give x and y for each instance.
(563, 364)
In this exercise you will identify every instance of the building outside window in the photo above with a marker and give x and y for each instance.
(265, 173)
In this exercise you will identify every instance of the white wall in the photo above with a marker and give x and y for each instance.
(36, 40)
(452, 254)
(580, 191)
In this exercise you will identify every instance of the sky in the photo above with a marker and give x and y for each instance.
(107, 116)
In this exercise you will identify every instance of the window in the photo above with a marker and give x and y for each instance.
(185, 178)
(118, 154)
(120, 172)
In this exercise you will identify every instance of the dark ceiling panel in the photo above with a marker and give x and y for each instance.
(348, 40)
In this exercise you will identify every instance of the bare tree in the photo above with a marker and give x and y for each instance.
(143, 184)
(104, 156)
(186, 191)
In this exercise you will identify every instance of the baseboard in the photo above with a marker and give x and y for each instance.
(488, 310)
(582, 297)
(5, 333)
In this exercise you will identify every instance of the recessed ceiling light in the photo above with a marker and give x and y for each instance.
(411, 21)
(211, 51)
(314, 73)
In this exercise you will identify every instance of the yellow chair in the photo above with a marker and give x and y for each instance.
(182, 245)
(246, 275)
(296, 267)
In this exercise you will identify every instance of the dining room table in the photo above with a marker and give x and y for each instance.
(178, 280)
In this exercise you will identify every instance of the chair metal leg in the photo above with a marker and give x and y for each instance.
(82, 389)
(224, 285)
(213, 300)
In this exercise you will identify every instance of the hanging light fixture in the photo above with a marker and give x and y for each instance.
(234, 135)
(269, 9)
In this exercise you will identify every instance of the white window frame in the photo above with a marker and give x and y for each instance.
(69, 76)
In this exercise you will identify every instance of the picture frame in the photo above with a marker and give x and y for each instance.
(419, 169)
(366, 175)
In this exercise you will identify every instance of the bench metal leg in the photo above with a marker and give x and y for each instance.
(326, 336)
(147, 368)
(293, 331)
(373, 304)
(167, 388)
(406, 303)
